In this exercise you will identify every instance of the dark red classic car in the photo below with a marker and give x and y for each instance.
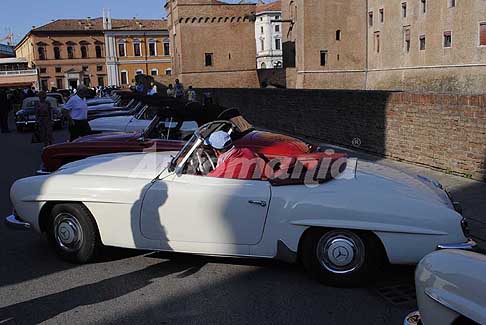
(266, 143)
(164, 134)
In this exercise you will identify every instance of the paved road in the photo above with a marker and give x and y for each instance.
(143, 287)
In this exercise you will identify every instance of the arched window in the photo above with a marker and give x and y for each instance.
(84, 52)
(99, 51)
(139, 72)
(263, 65)
(42, 53)
(154, 72)
(166, 47)
(122, 48)
(137, 47)
(338, 35)
(57, 53)
(152, 47)
(124, 77)
(168, 72)
(70, 51)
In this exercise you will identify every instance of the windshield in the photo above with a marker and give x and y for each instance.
(199, 137)
(58, 97)
(141, 113)
(29, 103)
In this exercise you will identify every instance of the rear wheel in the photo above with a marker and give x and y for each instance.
(73, 233)
(340, 257)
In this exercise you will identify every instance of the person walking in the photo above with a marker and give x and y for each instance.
(170, 91)
(77, 113)
(191, 95)
(5, 106)
(43, 114)
(178, 90)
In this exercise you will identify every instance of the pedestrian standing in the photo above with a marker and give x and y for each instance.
(77, 113)
(191, 95)
(4, 110)
(170, 91)
(178, 89)
(153, 91)
(43, 114)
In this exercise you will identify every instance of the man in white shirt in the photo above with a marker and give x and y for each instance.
(191, 95)
(77, 110)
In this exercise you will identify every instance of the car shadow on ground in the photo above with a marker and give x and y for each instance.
(280, 280)
(41, 309)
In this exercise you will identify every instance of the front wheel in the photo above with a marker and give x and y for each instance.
(340, 257)
(73, 234)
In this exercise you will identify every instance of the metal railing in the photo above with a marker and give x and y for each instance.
(31, 72)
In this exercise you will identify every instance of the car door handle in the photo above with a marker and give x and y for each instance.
(260, 203)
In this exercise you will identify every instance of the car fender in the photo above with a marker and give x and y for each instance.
(451, 283)
(114, 202)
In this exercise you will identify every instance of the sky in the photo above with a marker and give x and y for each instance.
(21, 15)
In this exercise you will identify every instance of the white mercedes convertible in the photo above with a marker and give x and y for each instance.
(342, 227)
(135, 123)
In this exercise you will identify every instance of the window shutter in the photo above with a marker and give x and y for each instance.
(482, 34)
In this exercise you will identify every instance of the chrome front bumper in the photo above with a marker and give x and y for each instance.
(470, 244)
(55, 120)
(25, 122)
(14, 223)
(413, 319)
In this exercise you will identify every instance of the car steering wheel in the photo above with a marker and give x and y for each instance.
(201, 163)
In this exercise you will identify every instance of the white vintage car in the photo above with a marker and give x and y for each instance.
(133, 123)
(451, 289)
(342, 228)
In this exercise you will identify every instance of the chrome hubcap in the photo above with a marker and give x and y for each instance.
(340, 251)
(68, 232)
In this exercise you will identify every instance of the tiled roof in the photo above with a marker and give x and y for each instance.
(271, 6)
(96, 24)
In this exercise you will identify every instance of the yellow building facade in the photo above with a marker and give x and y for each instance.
(96, 52)
(143, 50)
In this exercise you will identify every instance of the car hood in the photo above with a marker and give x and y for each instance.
(127, 165)
(102, 107)
(26, 111)
(397, 182)
(110, 137)
(115, 122)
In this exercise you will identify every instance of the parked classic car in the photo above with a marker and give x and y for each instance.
(59, 97)
(451, 289)
(158, 136)
(137, 122)
(342, 228)
(132, 108)
(25, 118)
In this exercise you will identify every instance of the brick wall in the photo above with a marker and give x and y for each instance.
(442, 131)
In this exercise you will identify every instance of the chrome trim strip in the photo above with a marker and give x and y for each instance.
(26, 122)
(14, 223)
(470, 244)
(42, 172)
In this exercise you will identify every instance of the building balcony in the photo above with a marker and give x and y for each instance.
(18, 78)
